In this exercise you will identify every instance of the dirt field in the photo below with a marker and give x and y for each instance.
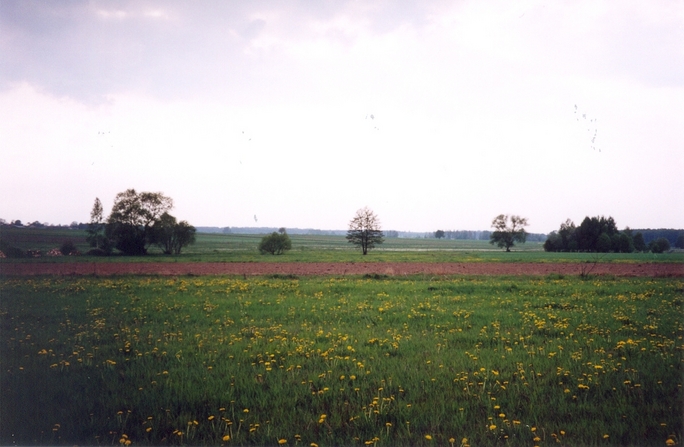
(336, 269)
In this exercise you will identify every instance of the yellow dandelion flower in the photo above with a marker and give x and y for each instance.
(670, 441)
(282, 441)
(428, 437)
(226, 438)
(492, 427)
(211, 418)
(313, 444)
(246, 410)
(606, 436)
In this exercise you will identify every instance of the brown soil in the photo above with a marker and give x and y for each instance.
(336, 269)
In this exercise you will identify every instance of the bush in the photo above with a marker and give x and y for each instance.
(11, 252)
(659, 245)
(275, 243)
(68, 248)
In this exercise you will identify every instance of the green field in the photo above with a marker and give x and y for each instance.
(309, 248)
(341, 361)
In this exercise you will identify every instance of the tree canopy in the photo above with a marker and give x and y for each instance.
(129, 225)
(275, 243)
(171, 236)
(364, 230)
(505, 235)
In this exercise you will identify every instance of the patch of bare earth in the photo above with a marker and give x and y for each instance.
(339, 269)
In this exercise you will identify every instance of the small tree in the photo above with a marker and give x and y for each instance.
(364, 230)
(659, 245)
(171, 236)
(505, 235)
(275, 243)
(439, 234)
(639, 243)
(96, 229)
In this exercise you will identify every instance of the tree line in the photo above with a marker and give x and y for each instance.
(600, 235)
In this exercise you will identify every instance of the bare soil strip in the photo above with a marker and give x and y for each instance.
(338, 269)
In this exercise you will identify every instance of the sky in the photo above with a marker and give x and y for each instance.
(434, 114)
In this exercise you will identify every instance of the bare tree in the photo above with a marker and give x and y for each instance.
(364, 230)
(504, 235)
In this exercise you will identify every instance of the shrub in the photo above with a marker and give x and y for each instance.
(659, 245)
(275, 243)
(10, 251)
(68, 247)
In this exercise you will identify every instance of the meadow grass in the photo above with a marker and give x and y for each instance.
(449, 361)
(214, 247)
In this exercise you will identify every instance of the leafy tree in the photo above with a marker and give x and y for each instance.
(275, 243)
(96, 229)
(639, 243)
(439, 234)
(659, 245)
(505, 235)
(623, 242)
(171, 236)
(364, 230)
(132, 217)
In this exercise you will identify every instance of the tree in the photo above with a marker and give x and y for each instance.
(439, 234)
(96, 229)
(130, 222)
(659, 245)
(639, 243)
(364, 230)
(505, 235)
(171, 236)
(275, 243)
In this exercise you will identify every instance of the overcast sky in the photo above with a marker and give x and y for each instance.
(434, 114)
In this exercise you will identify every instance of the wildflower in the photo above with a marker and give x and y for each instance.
(428, 437)
(211, 417)
(313, 444)
(226, 438)
(670, 441)
(492, 427)
(282, 441)
(606, 436)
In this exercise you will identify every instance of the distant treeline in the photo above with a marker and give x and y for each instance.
(600, 234)
(651, 235)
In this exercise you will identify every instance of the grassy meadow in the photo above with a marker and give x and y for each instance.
(383, 361)
(214, 247)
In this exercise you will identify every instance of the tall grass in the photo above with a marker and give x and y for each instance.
(341, 361)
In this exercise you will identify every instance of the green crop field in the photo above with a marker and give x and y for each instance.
(211, 247)
(341, 361)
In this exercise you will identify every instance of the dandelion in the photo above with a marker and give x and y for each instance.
(226, 438)
(606, 436)
(492, 427)
(282, 441)
(313, 444)
(670, 441)
(428, 437)
(211, 418)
